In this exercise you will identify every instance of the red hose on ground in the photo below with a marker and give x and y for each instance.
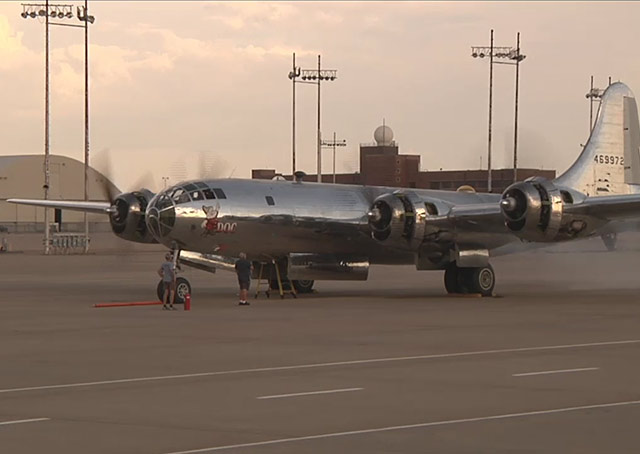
(141, 303)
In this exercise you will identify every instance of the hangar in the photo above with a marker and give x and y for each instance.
(22, 176)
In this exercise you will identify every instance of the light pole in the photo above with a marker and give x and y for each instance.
(314, 77)
(83, 15)
(594, 95)
(333, 144)
(295, 72)
(46, 10)
(515, 57)
(164, 181)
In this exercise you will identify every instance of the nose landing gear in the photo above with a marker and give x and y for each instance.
(480, 280)
(183, 288)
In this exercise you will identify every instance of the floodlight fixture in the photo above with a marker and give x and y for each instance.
(515, 57)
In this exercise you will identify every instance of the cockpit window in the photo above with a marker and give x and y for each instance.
(175, 195)
(164, 202)
(208, 193)
(189, 187)
(196, 196)
(219, 193)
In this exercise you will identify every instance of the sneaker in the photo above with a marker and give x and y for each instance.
(172, 308)
(165, 307)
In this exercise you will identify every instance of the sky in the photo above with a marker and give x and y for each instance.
(196, 89)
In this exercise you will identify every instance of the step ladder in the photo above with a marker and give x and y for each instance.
(284, 287)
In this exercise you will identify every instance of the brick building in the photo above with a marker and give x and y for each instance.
(381, 164)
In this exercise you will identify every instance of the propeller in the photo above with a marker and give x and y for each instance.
(108, 188)
(210, 166)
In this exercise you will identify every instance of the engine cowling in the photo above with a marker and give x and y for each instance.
(533, 210)
(398, 219)
(128, 217)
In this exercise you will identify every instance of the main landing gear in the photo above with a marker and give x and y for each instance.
(480, 280)
(183, 288)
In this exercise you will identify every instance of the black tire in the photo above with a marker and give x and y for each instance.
(160, 291)
(480, 280)
(183, 288)
(451, 276)
(303, 286)
(610, 240)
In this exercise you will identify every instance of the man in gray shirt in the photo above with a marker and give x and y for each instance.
(167, 272)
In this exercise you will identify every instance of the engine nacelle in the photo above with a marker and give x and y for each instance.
(128, 218)
(398, 219)
(533, 210)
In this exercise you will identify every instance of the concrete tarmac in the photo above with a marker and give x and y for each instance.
(391, 365)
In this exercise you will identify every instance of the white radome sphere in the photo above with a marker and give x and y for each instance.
(383, 135)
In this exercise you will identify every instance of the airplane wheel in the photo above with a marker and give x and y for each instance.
(479, 280)
(451, 275)
(183, 288)
(303, 286)
(610, 240)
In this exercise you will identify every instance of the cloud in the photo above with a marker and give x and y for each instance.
(13, 54)
(242, 15)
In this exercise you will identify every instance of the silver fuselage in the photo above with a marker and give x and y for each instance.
(312, 218)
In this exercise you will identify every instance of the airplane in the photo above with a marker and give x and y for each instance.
(318, 231)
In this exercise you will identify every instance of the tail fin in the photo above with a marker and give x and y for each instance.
(610, 161)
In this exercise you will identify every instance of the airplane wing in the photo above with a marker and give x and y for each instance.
(490, 218)
(615, 207)
(88, 207)
(606, 208)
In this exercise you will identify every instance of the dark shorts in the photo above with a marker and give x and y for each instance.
(244, 284)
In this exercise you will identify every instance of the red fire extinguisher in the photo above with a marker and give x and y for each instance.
(187, 302)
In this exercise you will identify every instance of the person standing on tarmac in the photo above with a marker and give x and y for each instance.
(243, 270)
(167, 272)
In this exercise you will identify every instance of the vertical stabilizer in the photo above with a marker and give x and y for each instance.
(610, 161)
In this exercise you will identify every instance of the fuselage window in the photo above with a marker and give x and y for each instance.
(208, 193)
(270, 200)
(219, 193)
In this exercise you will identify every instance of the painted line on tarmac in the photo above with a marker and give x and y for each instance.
(320, 365)
(408, 426)
(311, 393)
(562, 371)
(22, 421)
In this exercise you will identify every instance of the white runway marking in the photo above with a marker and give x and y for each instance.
(22, 421)
(277, 396)
(318, 365)
(408, 426)
(562, 371)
